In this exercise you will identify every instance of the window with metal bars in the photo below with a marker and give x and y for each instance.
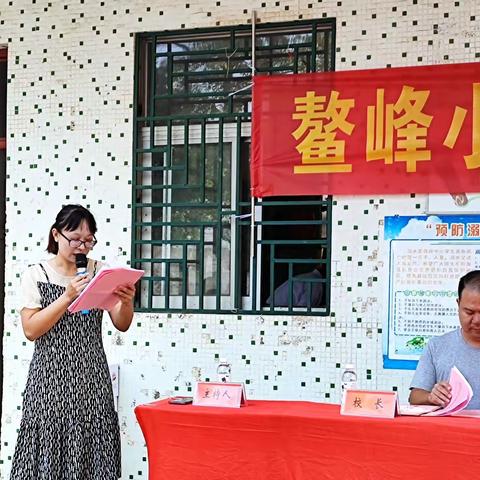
(193, 230)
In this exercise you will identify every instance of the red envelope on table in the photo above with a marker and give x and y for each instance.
(99, 292)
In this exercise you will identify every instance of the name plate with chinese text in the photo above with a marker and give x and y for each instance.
(366, 403)
(219, 394)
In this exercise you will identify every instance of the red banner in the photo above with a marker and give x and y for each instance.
(396, 130)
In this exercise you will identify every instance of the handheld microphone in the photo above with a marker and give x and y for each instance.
(81, 261)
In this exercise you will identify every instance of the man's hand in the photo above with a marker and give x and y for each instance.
(440, 394)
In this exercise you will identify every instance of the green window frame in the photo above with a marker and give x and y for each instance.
(192, 228)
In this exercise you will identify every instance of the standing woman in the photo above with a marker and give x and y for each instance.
(69, 428)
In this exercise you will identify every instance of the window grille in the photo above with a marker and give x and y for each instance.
(192, 230)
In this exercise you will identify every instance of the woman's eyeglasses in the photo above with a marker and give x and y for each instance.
(78, 243)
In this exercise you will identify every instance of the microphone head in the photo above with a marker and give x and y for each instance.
(81, 260)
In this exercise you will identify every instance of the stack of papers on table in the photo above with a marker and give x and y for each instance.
(461, 392)
(99, 292)
(417, 410)
(467, 413)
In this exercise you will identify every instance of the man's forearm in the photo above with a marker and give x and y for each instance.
(418, 396)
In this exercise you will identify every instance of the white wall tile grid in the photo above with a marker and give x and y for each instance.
(70, 96)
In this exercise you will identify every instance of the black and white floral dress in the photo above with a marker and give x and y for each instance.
(69, 428)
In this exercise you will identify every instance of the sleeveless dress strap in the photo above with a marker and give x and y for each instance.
(45, 272)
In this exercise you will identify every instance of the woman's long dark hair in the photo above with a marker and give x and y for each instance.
(69, 218)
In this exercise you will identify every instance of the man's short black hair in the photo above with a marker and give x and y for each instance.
(470, 280)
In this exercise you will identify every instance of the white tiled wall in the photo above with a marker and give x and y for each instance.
(69, 139)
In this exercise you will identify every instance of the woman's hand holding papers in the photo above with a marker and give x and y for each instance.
(112, 289)
(440, 394)
(125, 293)
(122, 313)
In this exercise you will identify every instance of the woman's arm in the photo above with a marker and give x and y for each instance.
(122, 313)
(38, 321)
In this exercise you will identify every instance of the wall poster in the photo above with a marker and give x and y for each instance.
(427, 257)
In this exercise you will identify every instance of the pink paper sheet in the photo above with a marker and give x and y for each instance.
(99, 292)
(461, 392)
(467, 413)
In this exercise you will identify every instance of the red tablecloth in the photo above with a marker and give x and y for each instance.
(304, 441)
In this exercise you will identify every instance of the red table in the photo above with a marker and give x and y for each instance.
(304, 441)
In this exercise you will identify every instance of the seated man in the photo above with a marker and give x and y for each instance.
(305, 293)
(460, 348)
